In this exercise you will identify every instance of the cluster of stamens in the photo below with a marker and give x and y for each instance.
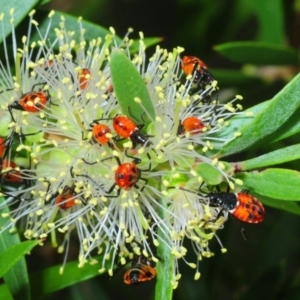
(72, 160)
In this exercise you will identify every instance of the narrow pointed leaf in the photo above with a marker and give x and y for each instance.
(273, 158)
(258, 53)
(267, 11)
(16, 278)
(128, 85)
(4, 292)
(235, 125)
(10, 257)
(267, 121)
(282, 184)
(21, 10)
(165, 265)
(291, 127)
(209, 174)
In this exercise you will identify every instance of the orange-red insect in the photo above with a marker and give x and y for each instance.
(2, 146)
(126, 176)
(141, 270)
(243, 206)
(9, 173)
(48, 64)
(101, 133)
(192, 65)
(84, 78)
(191, 124)
(109, 90)
(31, 102)
(66, 200)
(126, 128)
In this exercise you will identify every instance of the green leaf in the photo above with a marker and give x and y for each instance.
(258, 53)
(21, 10)
(273, 158)
(92, 31)
(209, 174)
(128, 85)
(165, 265)
(274, 183)
(291, 127)
(258, 131)
(270, 15)
(288, 206)
(43, 2)
(9, 257)
(16, 278)
(50, 280)
(150, 41)
(4, 292)
(236, 123)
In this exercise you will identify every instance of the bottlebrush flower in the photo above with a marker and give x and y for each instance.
(86, 166)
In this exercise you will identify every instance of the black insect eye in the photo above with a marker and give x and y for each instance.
(120, 176)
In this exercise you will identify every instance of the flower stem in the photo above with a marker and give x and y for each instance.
(165, 266)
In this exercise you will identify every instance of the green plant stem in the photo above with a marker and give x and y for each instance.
(165, 266)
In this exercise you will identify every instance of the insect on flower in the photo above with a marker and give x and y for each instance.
(191, 124)
(101, 133)
(32, 102)
(2, 147)
(191, 65)
(11, 173)
(141, 270)
(83, 78)
(241, 205)
(48, 65)
(127, 175)
(66, 200)
(126, 128)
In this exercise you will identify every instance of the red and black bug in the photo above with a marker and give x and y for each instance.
(191, 124)
(202, 78)
(10, 172)
(101, 133)
(141, 270)
(66, 199)
(126, 176)
(32, 102)
(126, 128)
(241, 205)
(192, 65)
